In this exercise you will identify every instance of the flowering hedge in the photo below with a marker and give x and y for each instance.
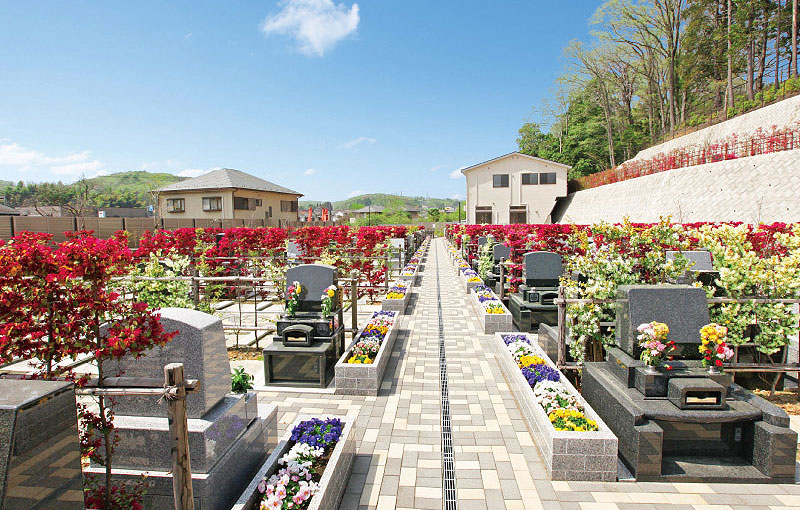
(752, 260)
(731, 147)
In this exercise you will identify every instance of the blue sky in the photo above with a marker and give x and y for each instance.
(328, 97)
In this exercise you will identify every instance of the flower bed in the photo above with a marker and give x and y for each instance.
(469, 277)
(409, 272)
(360, 369)
(575, 443)
(493, 314)
(308, 470)
(397, 298)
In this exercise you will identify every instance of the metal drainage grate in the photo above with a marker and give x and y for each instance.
(448, 464)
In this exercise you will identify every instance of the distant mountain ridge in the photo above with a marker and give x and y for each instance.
(384, 200)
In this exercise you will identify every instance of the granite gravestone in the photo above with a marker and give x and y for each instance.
(293, 251)
(701, 259)
(40, 465)
(541, 268)
(683, 308)
(314, 279)
(499, 252)
(229, 434)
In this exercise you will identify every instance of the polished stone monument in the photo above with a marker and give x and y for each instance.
(533, 304)
(40, 458)
(307, 345)
(500, 253)
(230, 435)
(701, 270)
(685, 423)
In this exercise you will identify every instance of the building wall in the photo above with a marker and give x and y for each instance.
(761, 188)
(538, 199)
(194, 204)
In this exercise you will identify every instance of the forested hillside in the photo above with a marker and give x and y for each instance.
(654, 68)
(124, 189)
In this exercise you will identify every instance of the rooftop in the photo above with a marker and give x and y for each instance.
(228, 178)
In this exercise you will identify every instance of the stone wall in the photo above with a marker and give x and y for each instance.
(761, 188)
(780, 114)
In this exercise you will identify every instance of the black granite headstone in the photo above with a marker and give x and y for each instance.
(683, 308)
(541, 268)
(500, 251)
(40, 464)
(314, 279)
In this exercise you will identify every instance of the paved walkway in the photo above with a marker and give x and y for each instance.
(497, 465)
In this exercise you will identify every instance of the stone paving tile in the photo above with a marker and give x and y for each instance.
(398, 462)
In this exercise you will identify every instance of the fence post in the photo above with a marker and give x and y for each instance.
(502, 279)
(562, 328)
(354, 300)
(179, 437)
(386, 274)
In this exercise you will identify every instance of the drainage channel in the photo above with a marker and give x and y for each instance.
(450, 502)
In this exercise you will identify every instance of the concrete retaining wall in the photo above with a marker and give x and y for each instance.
(756, 189)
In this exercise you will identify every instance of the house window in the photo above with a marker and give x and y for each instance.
(529, 178)
(212, 203)
(547, 178)
(288, 205)
(500, 180)
(269, 215)
(483, 214)
(176, 205)
(258, 202)
(518, 214)
(241, 203)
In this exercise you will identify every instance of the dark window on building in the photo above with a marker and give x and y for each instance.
(288, 205)
(269, 215)
(176, 205)
(483, 215)
(518, 214)
(212, 203)
(530, 178)
(241, 203)
(258, 202)
(500, 180)
(547, 178)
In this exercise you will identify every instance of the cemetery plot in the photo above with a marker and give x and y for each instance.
(360, 370)
(494, 316)
(330, 445)
(574, 442)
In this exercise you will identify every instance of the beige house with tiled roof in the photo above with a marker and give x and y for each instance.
(227, 194)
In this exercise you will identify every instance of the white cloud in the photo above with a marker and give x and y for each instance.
(355, 193)
(457, 197)
(355, 142)
(316, 25)
(21, 159)
(456, 174)
(438, 167)
(187, 35)
(311, 171)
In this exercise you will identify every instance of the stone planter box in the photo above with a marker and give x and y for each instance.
(568, 455)
(466, 285)
(356, 379)
(412, 279)
(492, 322)
(334, 479)
(396, 305)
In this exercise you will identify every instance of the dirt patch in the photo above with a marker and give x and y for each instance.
(785, 399)
(245, 354)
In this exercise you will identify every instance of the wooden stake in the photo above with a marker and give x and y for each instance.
(179, 435)
(562, 328)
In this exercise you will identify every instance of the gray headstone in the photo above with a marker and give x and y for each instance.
(683, 308)
(701, 259)
(500, 251)
(293, 250)
(481, 241)
(541, 268)
(39, 450)
(199, 345)
(313, 278)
